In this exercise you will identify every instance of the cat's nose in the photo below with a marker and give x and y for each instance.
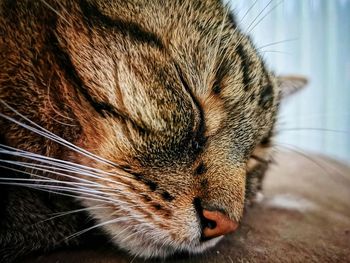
(217, 224)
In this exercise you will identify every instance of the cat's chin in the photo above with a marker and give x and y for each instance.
(152, 249)
(149, 242)
(157, 238)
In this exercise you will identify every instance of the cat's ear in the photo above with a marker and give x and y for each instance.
(291, 84)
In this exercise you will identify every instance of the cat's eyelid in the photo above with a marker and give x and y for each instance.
(199, 121)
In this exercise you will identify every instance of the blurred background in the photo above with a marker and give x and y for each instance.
(309, 38)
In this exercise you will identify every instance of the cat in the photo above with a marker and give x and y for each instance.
(147, 124)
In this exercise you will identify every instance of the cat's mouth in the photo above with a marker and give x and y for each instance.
(189, 227)
(200, 230)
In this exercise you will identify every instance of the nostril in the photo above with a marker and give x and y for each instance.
(209, 224)
(213, 223)
(205, 223)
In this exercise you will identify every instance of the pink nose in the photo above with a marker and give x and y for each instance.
(219, 225)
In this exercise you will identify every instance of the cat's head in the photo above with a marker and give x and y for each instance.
(180, 101)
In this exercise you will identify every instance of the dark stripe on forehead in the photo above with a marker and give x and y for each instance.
(232, 19)
(63, 60)
(66, 65)
(266, 91)
(93, 17)
(246, 66)
(199, 139)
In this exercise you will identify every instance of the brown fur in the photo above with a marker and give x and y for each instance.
(155, 87)
(315, 229)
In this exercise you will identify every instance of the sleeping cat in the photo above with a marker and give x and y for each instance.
(146, 123)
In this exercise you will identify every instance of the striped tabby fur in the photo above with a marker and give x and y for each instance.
(126, 112)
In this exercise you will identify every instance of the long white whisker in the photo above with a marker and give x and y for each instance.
(35, 181)
(56, 215)
(77, 189)
(29, 155)
(76, 192)
(47, 134)
(275, 51)
(269, 12)
(55, 11)
(312, 129)
(259, 14)
(48, 171)
(106, 194)
(96, 226)
(276, 43)
(59, 184)
(53, 170)
(250, 9)
(299, 151)
(34, 186)
(217, 45)
(38, 168)
(72, 167)
(250, 28)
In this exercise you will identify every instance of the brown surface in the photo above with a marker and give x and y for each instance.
(305, 217)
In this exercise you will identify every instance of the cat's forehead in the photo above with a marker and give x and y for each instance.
(190, 69)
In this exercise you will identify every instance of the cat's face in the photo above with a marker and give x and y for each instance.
(172, 94)
(188, 101)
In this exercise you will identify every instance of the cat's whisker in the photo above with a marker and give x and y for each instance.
(239, 41)
(112, 221)
(83, 192)
(55, 11)
(277, 43)
(258, 15)
(127, 229)
(252, 26)
(233, 35)
(133, 259)
(275, 51)
(217, 46)
(76, 188)
(313, 130)
(76, 210)
(53, 166)
(49, 135)
(52, 191)
(268, 13)
(62, 123)
(61, 184)
(260, 159)
(53, 161)
(248, 11)
(64, 10)
(340, 115)
(54, 170)
(35, 168)
(99, 191)
(90, 185)
(61, 214)
(57, 164)
(36, 181)
(46, 135)
(322, 167)
(55, 110)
